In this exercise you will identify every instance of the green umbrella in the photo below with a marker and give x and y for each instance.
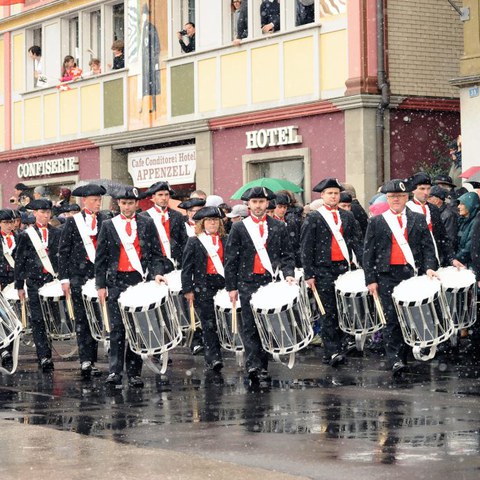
(274, 184)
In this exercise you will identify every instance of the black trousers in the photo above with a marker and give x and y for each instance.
(324, 281)
(255, 355)
(395, 347)
(117, 334)
(87, 345)
(206, 311)
(39, 330)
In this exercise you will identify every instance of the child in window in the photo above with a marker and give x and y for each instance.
(95, 68)
(70, 71)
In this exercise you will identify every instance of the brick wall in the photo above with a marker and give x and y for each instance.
(425, 43)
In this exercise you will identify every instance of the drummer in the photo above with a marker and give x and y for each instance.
(203, 276)
(330, 242)
(387, 261)
(7, 264)
(191, 207)
(127, 250)
(247, 269)
(76, 265)
(35, 272)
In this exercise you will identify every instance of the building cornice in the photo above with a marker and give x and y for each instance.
(465, 81)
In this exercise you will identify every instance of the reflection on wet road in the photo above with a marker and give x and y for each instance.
(311, 416)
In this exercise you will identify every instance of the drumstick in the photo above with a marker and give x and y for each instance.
(68, 300)
(317, 299)
(234, 318)
(24, 313)
(191, 330)
(379, 307)
(106, 320)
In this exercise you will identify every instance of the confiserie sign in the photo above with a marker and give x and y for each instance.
(175, 165)
(55, 166)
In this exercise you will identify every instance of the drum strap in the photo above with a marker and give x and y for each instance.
(128, 246)
(394, 226)
(41, 251)
(259, 245)
(7, 252)
(428, 217)
(206, 241)
(161, 232)
(86, 239)
(336, 232)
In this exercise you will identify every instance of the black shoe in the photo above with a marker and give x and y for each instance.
(86, 370)
(135, 382)
(7, 361)
(197, 349)
(253, 374)
(46, 364)
(399, 368)
(114, 380)
(217, 366)
(95, 371)
(264, 378)
(326, 360)
(337, 359)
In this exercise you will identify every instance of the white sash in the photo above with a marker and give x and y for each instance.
(259, 243)
(207, 242)
(86, 238)
(190, 229)
(336, 232)
(128, 244)
(157, 218)
(41, 250)
(414, 207)
(392, 222)
(7, 252)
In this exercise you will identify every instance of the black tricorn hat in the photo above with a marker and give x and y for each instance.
(72, 207)
(271, 205)
(159, 186)
(328, 183)
(257, 192)
(473, 183)
(40, 204)
(438, 192)
(192, 202)
(419, 178)
(446, 179)
(129, 193)
(208, 212)
(345, 198)
(6, 214)
(22, 187)
(396, 185)
(89, 190)
(282, 199)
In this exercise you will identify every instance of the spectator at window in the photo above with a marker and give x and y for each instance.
(270, 16)
(70, 71)
(305, 12)
(35, 53)
(236, 9)
(189, 31)
(118, 48)
(242, 23)
(95, 68)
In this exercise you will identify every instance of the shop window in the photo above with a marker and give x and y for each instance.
(293, 165)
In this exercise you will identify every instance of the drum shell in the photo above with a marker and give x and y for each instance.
(224, 317)
(93, 311)
(10, 325)
(11, 295)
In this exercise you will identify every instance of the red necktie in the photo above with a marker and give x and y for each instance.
(260, 227)
(44, 234)
(335, 216)
(128, 227)
(214, 239)
(400, 222)
(9, 241)
(94, 221)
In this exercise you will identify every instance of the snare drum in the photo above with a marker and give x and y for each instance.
(460, 289)
(223, 314)
(423, 314)
(150, 321)
(308, 300)
(59, 323)
(174, 282)
(282, 320)
(93, 311)
(10, 329)
(356, 312)
(10, 294)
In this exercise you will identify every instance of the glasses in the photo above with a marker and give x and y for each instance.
(396, 195)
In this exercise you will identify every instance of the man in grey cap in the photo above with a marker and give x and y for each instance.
(238, 213)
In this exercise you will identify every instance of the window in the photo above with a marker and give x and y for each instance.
(118, 22)
(74, 39)
(95, 37)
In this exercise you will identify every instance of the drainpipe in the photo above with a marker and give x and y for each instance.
(383, 86)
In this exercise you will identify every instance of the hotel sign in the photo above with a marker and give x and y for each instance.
(272, 137)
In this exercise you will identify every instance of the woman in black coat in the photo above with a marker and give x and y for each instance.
(203, 277)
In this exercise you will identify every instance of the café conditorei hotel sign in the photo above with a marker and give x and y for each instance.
(174, 165)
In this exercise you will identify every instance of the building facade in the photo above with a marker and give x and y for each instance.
(302, 102)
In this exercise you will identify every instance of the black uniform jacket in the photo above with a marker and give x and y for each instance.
(108, 252)
(178, 233)
(27, 262)
(6, 271)
(240, 253)
(378, 246)
(194, 265)
(316, 241)
(475, 247)
(73, 261)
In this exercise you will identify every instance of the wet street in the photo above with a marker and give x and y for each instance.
(314, 422)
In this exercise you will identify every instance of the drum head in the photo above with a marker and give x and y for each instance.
(89, 290)
(452, 278)
(416, 290)
(275, 296)
(174, 281)
(352, 282)
(10, 293)
(222, 300)
(143, 295)
(52, 289)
